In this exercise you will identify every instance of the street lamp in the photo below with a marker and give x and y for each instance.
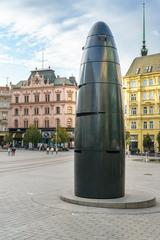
(56, 135)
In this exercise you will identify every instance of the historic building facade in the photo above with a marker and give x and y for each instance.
(5, 98)
(142, 100)
(45, 101)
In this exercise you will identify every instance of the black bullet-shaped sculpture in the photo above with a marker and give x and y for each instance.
(99, 133)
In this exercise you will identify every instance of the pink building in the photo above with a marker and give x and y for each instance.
(45, 101)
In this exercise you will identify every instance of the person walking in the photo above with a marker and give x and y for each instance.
(13, 151)
(47, 150)
(52, 150)
(9, 150)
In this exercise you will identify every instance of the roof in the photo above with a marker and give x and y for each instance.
(144, 64)
(20, 84)
(47, 74)
(64, 80)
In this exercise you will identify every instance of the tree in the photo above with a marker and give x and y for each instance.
(8, 138)
(62, 136)
(147, 142)
(32, 135)
(158, 140)
(127, 138)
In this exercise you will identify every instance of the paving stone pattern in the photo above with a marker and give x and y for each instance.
(30, 207)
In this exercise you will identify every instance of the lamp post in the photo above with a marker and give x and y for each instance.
(56, 136)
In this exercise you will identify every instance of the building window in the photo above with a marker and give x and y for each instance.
(151, 95)
(36, 111)
(26, 111)
(144, 83)
(69, 110)
(25, 123)
(26, 99)
(151, 110)
(69, 96)
(4, 115)
(133, 111)
(69, 122)
(47, 97)
(144, 96)
(133, 97)
(58, 97)
(133, 125)
(16, 112)
(36, 98)
(151, 125)
(145, 125)
(16, 123)
(159, 95)
(151, 82)
(16, 99)
(159, 124)
(47, 110)
(133, 84)
(36, 123)
(137, 70)
(57, 122)
(57, 110)
(125, 109)
(46, 123)
(148, 69)
(144, 110)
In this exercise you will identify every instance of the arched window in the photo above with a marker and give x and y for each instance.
(36, 123)
(46, 123)
(25, 123)
(69, 122)
(69, 110)
(16, 123)
(16, 111)
(57, 110)
(69, 96)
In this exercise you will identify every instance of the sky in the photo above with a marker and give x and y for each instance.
(59, 30)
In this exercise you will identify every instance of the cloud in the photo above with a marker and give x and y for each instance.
(60, 28)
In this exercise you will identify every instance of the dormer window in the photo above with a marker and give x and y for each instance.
(137, 70)
(148, 69)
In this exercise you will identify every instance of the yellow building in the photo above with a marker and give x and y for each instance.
(142, 100)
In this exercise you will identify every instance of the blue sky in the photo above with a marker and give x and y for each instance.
(60, 28)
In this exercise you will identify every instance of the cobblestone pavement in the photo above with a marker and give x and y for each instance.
(30, 207)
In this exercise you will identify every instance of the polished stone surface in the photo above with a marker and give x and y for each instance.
(132, 200)
(99, 133)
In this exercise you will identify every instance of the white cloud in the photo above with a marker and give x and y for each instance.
(61, 28)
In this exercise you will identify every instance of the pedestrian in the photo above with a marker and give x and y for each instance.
(47, 150)
(52, 150)
(13, 151)
(56, 150)
(9, 151)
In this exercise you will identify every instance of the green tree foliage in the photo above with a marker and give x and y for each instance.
(127, 138)
(147, 142)
(32, 135)
(158, 140)
(62, 136)
(8, 138)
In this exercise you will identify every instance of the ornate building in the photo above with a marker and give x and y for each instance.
(5, 99)
(45, 101)
(142, 100)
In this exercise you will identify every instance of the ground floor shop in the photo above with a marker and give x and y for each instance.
(47, 135)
